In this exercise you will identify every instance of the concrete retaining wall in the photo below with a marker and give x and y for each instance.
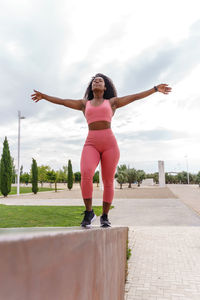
(63, 263)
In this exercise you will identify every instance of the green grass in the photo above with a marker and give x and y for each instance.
(128, 252)
(24, 190)
(42, 216)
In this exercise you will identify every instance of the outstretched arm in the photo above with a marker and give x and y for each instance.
(122, 101)
(74, 104)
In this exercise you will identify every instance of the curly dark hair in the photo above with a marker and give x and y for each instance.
(110, 88)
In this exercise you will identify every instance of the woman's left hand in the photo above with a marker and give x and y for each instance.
(164, 88)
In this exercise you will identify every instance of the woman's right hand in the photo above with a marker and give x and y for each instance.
(37, 96)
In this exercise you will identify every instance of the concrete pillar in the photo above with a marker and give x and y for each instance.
(161, 173)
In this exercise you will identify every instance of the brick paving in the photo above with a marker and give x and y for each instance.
(164, 263)
(165, 260)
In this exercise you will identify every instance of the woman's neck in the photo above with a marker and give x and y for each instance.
(98, 95)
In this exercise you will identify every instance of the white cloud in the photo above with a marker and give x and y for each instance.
(56, 47)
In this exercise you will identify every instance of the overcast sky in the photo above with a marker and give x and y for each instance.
(57, 46)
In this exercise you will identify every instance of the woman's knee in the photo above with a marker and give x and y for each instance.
(108, 183)
(87, 173)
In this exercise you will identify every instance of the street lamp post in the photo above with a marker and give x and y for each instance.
(18, 169)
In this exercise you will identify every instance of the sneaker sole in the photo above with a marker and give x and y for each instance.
(90, 225)
(105, 226)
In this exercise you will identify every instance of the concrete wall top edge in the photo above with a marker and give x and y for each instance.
(27, 233)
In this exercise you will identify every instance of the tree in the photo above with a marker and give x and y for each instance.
(14, 173)
(34, 176)
(52, 178)
(21, 173)
(198, 178)
(25, 177)
(121, 178)
(121, 175)
(168, 178)
(61, 176)
(65, 168)
(6, 170)
(182, 176)
(140, 175)
(70, 175)
(77, 177)
(192, 178)
(42, 173)
(171, 178)
(96, 178)
(131, 175)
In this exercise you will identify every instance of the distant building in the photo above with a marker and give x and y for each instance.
(172, 173)
(147, 182)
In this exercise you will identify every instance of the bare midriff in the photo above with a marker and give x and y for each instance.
(99, 125)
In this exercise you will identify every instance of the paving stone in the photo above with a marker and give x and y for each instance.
(164, 263)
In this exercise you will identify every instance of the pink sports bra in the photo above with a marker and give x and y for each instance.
(102, 112)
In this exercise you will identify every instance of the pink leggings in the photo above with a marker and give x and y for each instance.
(99, 145)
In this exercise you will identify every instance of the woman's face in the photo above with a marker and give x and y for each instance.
(98, 83)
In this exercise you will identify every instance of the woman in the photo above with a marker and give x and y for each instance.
(98, 106)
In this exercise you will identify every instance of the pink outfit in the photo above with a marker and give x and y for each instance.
(99, 145)
(102, 112)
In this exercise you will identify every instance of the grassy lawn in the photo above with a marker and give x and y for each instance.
(24, 190)
(42, 216)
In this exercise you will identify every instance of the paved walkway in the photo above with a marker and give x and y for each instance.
(164, 263)
(165, 243)
(189, 194)
(133, 192)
